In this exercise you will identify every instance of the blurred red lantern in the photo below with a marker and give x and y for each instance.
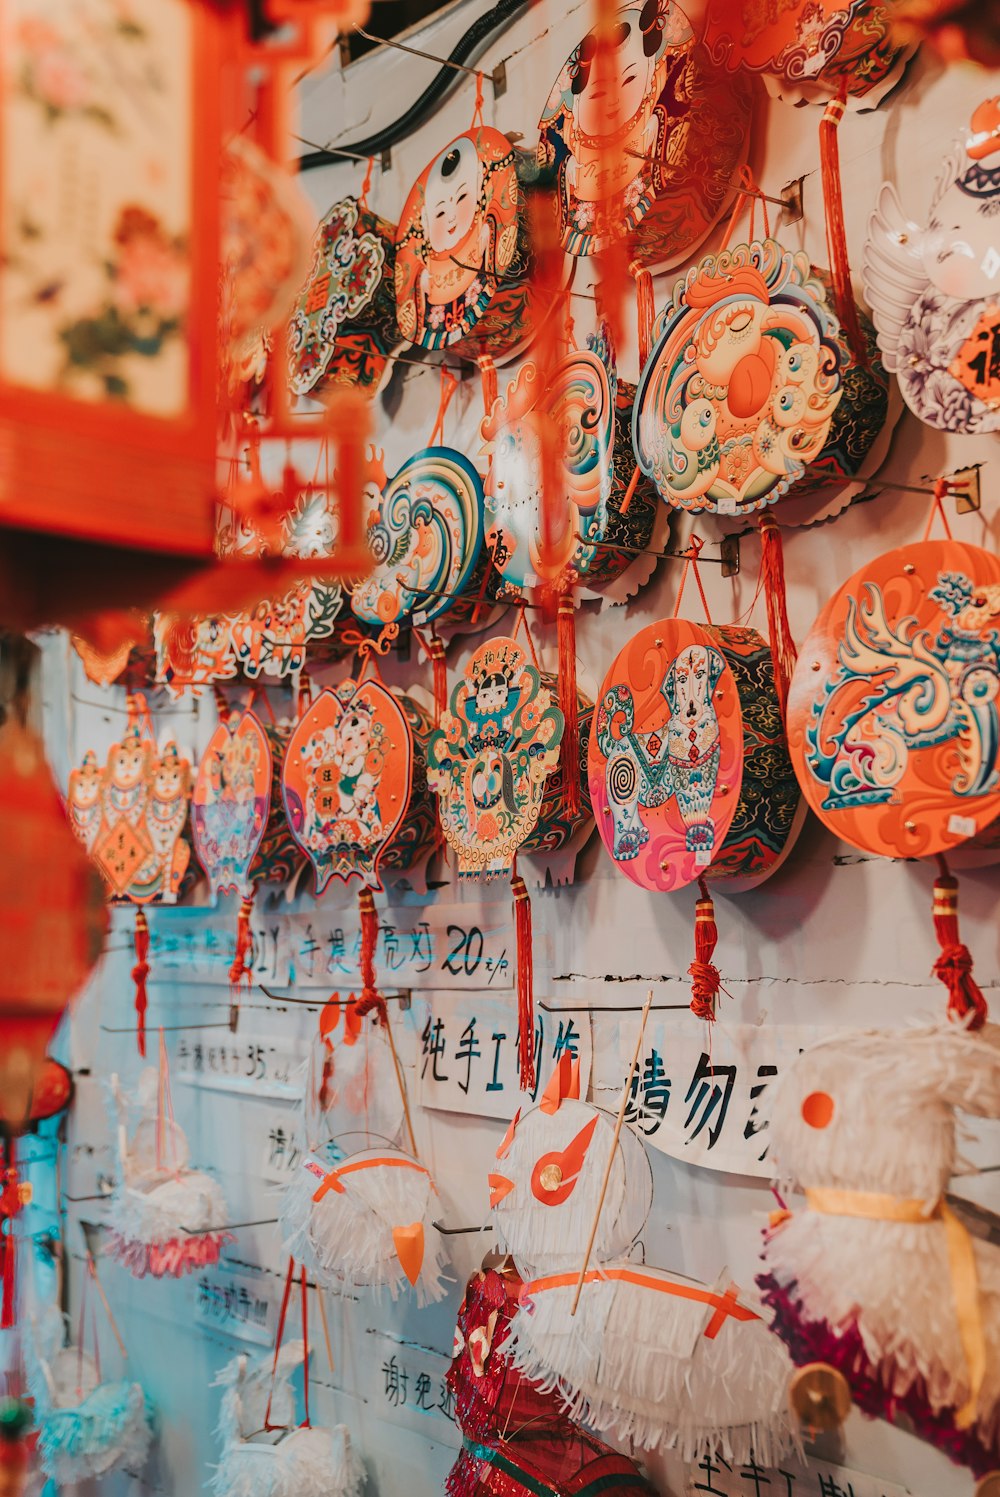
(52, 919)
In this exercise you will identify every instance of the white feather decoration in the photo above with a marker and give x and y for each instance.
(303, 1463)
(865, 1121)
(365, 1221)
(658, 1359)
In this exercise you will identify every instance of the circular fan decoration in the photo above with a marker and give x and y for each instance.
(462, 259)
(489, 759)
(934, 290)
(806, 48)
(426, 534)
(607, 523)
(231, 801)
(741, 388)
(893, 719)
(344, 323)
(670, 144)
(346, 780)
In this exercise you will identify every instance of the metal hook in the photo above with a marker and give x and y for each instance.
(265, 1221)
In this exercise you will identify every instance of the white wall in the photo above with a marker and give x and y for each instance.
(832, 939)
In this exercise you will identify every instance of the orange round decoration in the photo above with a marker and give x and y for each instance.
(666, 755)
(893, 721)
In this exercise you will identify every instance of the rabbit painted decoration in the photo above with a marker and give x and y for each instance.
(877, 1276)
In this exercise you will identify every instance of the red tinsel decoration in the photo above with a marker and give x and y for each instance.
(140, 972)
(705, 979)
(772, 574)
(242, 965)
(525, 982)
(954, 965)
(370, 998)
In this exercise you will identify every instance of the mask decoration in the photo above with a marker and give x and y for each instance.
(875, 1277)
(304, 1461)
(894, 708)
(343, 326)
(607, 516)
(650, 1357)
(518, 1441)
(164, 1217)
(739, 394)
(366, 1220)
(87, 1428)
(230, 803)
(425, 531)
(935, 290)
(462, 257)
(489, 759)
(561, 832)
(346, 780)
(669, 144)
(806, 48)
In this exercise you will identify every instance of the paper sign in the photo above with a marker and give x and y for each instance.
(405, 1384)
(196, 946)
(717, 1477)
(280, 1150)
(237, 1303)
(468, 1054)
(242, 1063)
(700, 1104)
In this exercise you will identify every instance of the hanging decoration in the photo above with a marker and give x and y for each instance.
(517, 1441)
(610, 517)
(893, 720)
(164, 1217)
(739, 394)
(807, 49)
(54, 920)
(365, 1219)
(343, 326)
(418, 835)
(279, 860)
(653, 162)
(425, 531)
(259, 1403)
(346, 780)
(562, 823)
(87, 1427)
(933, 290)
(631, 1350)
(875, 1278)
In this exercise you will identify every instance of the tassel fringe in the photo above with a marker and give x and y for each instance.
(242, 966)
(140, 973)
(954, 966)
(370, 998)
(525, 983)
(570, 750)
(645, 310)
(836, 233)
(706, 982)
(772, 572)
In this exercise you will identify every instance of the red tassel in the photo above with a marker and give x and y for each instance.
(525, 982)
(772, 573)
(569, 756)
(242, 966)
(836, 233)
(488, 372)
(349, 417)
(140, 972)
(645, 310)
(10, 1205)
(706, 982)
(370, 998)
(439, 667)
(954, 965)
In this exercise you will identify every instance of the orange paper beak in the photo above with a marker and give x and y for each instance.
(409, 1245)
(500, 1187)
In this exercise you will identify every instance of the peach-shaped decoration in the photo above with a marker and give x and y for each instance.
(893, 720)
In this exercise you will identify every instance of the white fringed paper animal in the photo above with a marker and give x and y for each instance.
(164, 1217)
(546, 1185)
(365, 1220)
(649, 1356)
(87, 1427)
(304, 1462)
(877, 1276)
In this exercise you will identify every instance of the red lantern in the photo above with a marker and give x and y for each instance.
(52, 919)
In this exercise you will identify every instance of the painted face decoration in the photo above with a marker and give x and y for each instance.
(739, 393)
(346, 780)
(934, 291)
(650, 152)
(894, 707)
(490, 757)
(231, 802)
(425, 530)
